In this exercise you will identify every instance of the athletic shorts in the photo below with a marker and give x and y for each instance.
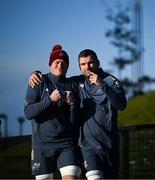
(101, 160)
(49, 160)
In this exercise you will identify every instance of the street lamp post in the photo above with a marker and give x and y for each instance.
(3, 117)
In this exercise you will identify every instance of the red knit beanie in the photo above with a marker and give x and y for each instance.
(58, 53)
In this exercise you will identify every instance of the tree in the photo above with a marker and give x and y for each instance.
(122, 37)
(126, 37)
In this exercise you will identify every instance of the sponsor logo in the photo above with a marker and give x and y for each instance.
(47, 89)
(36, 166)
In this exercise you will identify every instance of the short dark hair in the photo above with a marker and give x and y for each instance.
(88, 52)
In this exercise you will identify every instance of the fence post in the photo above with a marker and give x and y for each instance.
(125, 153)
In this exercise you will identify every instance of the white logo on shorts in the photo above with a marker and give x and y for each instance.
(35, 166)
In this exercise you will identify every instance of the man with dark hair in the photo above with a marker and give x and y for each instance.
(101, 96)
(53, 109)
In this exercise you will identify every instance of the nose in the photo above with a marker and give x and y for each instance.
(87, 66)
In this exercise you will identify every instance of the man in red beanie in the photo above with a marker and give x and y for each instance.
(52, 107)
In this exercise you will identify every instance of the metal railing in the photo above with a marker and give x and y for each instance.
(137, 152)
(136, 160)
(15, 157)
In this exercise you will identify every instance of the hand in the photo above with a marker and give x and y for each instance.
(35, 78)
(69, 97)
(95, 79)
(55, 96)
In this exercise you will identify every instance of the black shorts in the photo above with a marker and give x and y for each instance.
(101, 160)
(49, 160)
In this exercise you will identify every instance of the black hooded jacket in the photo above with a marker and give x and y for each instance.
(52, 122)
(100, 105)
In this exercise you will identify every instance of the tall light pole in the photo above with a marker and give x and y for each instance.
(138, 30)
(4, 120)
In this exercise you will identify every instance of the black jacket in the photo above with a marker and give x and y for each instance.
(100, 105)
(51, 122)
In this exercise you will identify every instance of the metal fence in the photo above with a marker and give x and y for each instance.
(137, 154)
(15, 157)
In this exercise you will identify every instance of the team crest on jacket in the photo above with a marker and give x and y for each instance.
(81, 85)
(99, 91)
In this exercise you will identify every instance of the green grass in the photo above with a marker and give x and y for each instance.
(139, 111)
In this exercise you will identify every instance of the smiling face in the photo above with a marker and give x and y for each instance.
(59, 67)
(88, 64)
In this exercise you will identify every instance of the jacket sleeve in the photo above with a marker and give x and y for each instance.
(115, 92)
(34, 105)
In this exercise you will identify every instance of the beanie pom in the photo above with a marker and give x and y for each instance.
(57, 47)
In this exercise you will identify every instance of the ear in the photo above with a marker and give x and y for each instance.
(79, 66)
